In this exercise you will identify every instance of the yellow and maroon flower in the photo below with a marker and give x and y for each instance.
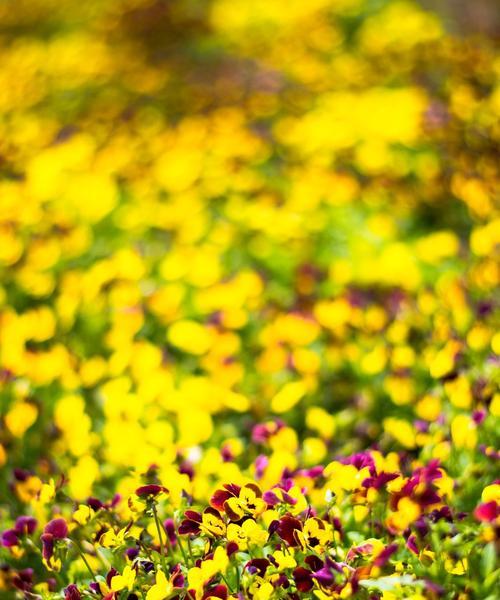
(238, 502)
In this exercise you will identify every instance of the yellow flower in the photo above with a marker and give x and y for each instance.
(248, 502)
(21, 417)
(126, 580)
(212, 524)
(190, 337)
(316, 534)
(407, 512)
(110, 539)
(456, 567)
(284, 561)
(161, 589)
(83, 514)
(491, 493)
(198, 576)
(261, 589)
(463, 432)
(248, 533)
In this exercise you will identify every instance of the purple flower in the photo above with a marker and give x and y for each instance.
(25, 525)
(131, 553)
(169, 527)
(271, 498)
(9, 538)
(411, 544)
(479, 416)
(324, 577)
(384, 556)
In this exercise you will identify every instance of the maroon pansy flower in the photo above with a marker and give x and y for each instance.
(303, 579)
(47, 545)
(257, 565)
(58, 528)
(221, 496)
(150, 490)
(72, 593)
(218, 591)
(286, 528)
(191, 523)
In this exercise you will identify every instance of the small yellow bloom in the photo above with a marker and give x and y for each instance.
(83, 514)
(126, 580)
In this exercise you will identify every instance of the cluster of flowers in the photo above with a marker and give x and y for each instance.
(249, 335)
(377, 534)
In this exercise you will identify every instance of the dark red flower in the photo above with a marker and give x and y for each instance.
(58, 528)
(190, 523)
(110, 574)
(152, 489)
(313, 562)
(220, 496)
(257, 565)
(23, 579)
(219, 591)
(176, 576)
(71, 592)
(231, 548)
(47, 545)
(286, 527)
(303, 579)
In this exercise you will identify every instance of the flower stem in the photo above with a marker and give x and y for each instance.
(81, 553)
(162, 552)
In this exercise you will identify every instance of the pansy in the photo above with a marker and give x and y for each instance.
(238, 502)
(112, 538)
(150, 490)
(209, 522)
(124, 581)
(164, 587)
(247, 534)
(316, 534)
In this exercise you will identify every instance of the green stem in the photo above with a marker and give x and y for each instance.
(81, 553)
(183, 552)
(237, 578)
(162, 552)
(190, 550)
(227, 583)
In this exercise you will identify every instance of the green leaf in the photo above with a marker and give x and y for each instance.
(488, 559)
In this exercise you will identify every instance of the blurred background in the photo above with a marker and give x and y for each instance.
(465, 16)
